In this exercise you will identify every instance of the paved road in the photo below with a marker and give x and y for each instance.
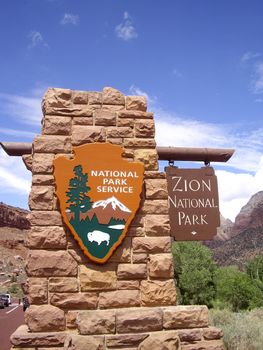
(10, 318)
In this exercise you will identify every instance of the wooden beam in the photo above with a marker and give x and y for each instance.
(165, 153)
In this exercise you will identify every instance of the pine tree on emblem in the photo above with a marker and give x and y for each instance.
(77, 193)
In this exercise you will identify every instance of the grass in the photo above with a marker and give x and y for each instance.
(242, 331)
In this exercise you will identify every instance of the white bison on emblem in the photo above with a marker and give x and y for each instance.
(99, 237)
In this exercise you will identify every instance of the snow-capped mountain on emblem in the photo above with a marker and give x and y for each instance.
(114, 203)
(110, 208)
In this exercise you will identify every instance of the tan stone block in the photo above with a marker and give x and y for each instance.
(115, 108)
(42, 163)
(139, 320)
(95, 98)
(131, 271)
(71, 318)
(161, 266)
(38, 290)
(83, 120)
(41, 218)
(204, 345)
(128, 284)
(128, 122)
(185, 317)
(71, 111)
(115, 141)
(75, 301)
(55, 125)
(120, 341)
(84, 342)
(157, 225)
(96, 322)
(123, 252)
(151, 244)
(56, 97)
(161, 341)
(63, 284)
(50, 263)
(82, 134)
(56, 348)
(154, 175)
(156, 206)
(49, 237)
(144, 128)
(128, 153)
(139, 258)
(28, 161)
(52, 144)
(135, 115)
(190, 335)
(22, 337)
(119, 298)
(136, 232)
(105, 117)
(43, 180)
(156, 189)
(112, 96)
(158, 293)
(136, 103)
(139, 143)
(212, 333)
(97, 278)
(148, 157)
(80, 97)
(120, 132)
(41, 198)
(44, 318)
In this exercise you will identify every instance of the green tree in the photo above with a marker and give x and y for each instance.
(194, 270)
(236, 289)
(254, 268)
(77, 193)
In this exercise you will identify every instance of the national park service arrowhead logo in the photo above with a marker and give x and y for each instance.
(99, 194)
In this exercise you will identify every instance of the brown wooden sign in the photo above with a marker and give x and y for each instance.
(99, 194)
(193, 203)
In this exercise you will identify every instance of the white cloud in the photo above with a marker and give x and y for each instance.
(249, 56)
(36, 39)
(14, 177)
(17, 133)
(25, 109)
(236, 189)
(69, 18)
(258, 79)
(126, 29)
(250, 61)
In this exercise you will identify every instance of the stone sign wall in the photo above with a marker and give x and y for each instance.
(128, 303)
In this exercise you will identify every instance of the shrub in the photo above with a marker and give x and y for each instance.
(242, 331)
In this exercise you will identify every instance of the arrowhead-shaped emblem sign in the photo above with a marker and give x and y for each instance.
(99, 194)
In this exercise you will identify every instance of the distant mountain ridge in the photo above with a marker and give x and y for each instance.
(13, 226)
(242, 240)
(13, 217)
(250, 215)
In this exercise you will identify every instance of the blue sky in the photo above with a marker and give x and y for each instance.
(199, 63)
